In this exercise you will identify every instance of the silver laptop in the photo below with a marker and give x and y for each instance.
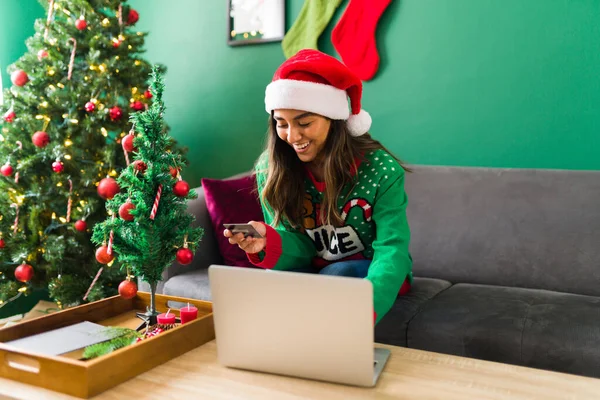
(295, 324)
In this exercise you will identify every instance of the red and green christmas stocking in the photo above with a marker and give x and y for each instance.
(354, 36)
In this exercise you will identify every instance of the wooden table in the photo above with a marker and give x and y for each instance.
(410, 374)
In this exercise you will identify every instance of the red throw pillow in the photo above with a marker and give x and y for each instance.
(231, 201)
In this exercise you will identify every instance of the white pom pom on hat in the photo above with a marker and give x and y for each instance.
(316, 82)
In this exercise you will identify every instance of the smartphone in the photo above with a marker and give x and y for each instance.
(246, 229)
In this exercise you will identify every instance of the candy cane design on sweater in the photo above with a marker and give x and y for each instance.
(334, 244)
(362, 203)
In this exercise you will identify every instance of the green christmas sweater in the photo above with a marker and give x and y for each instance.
(376, 228)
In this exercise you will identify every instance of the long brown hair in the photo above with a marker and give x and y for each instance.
(284, 187)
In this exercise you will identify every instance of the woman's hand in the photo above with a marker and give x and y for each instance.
(249, 245)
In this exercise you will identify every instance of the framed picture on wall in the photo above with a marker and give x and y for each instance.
(255, 21)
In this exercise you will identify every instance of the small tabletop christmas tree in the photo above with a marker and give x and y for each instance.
(148, 225)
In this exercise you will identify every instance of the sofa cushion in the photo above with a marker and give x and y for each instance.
(231, 201)
(536, 229)
(534, 328)
(193, 285)
(392, 327)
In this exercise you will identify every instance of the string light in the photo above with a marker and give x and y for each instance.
(105, 22)
(139, 33)
(66, 11)
(52, 87)
(68, 143)
(117, 70)
(246, 35)
(53, 215)
(253, 33)
(59, 184)
(23, 289)
(102, 67)
(60, 85)
(130, 47)
(93, 67)
(233, 33)
(137, 63)
(20, 199)
(113, 173)
(74, 121)
(1, 138)
(44, 104)
(67, 156)
(104, 132)
(121, 37)
(63, 220)
(65, 115)
(134, 90)
(86, 78)
(51, 72)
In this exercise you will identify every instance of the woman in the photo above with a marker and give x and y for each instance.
(333, 198)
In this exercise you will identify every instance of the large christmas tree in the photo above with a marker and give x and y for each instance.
(64, 139)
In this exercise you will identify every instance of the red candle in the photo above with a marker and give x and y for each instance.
(188, 314)
(166, 319)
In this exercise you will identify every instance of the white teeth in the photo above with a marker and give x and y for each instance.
(303, 146)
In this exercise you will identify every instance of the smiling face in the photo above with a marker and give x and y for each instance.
(304, 131)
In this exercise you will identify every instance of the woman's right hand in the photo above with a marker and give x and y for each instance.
(249, 245)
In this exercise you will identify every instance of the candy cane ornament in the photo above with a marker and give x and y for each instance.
(50, 10)
(93, 283)
(16, 224)
(72, 61)
(366, 207)
(156, 201)
(111, 238)
(70, 201)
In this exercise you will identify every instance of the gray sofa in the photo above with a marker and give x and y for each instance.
(507, 266)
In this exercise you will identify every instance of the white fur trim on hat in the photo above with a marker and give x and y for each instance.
(318, 98)
(359, 124)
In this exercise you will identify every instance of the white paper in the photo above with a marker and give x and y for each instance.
(64, 340)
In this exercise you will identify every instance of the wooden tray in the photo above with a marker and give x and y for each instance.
(84, 379)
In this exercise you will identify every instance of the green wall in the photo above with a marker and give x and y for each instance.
(16, 25)
(500, 83)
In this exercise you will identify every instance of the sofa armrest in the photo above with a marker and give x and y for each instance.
(207, 252)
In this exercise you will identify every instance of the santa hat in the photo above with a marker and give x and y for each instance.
(316, 82)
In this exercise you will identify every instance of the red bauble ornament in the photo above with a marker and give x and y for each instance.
(137, 105)
(127, 143)
(2, 244)
(127, 289)
(81, 24)
(81, 225)
(40, 139)
(107, 188)
(19, 78)
(133, 17)
(89, 106)
(181, 188)
(58, 167)
(173, 171)
(115, 113)
(42, 54)
(9, 116)
(116, 43)
(102, 255)
(184, 256)
(124, 211)
(6, 169)
(140, 166)
(24, 272)
(148, 94)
